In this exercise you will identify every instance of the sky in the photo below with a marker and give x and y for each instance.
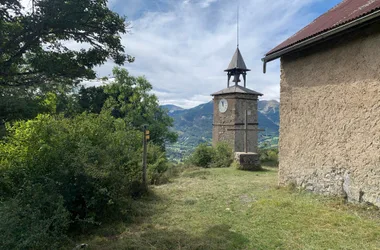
(183, 46)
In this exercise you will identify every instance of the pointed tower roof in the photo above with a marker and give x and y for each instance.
(237, 62)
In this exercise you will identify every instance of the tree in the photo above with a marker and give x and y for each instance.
(91, 99)
(34, 44)
(129, 98)
(24, 103)
(19, 103)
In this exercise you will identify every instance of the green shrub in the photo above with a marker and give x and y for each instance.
(157, 165)
(223, 156)
(206, 156)
(203, 156)
(35, 219)
(269, 156)
(92, 162)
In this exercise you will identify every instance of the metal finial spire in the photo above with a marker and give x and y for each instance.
(237, 33)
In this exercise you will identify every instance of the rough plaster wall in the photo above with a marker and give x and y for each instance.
(330, 117)
(237, 104)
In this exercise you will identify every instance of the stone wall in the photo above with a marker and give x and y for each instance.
(222, 122)
(234, 118)
(330, 117)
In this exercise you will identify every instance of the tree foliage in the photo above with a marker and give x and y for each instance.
(157, 165)
(86, 167)
(91, 99)
(127, 97)
(269, 156)
(130, 99)
(36, 44)
(34, 219)
(81, 154)
(71, 157)
(24, 103)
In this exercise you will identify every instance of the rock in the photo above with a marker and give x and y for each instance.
(248, 161)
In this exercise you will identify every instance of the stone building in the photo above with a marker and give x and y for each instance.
(235, 115)
(229, 126)
(330, 103)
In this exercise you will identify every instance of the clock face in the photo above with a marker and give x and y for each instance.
(223, 105)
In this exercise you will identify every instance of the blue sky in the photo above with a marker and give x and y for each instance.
(183, 46)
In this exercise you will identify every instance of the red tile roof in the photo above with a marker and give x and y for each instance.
(346, 11)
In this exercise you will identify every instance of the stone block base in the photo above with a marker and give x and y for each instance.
(248, 161)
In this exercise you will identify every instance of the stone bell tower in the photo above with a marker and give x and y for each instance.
(235, 115)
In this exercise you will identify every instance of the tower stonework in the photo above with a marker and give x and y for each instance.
(235, 116)
(229, 126)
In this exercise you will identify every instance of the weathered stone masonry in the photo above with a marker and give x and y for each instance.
(330, 117)
(235, 118)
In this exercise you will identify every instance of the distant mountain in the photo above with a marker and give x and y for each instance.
(194, 126)
(271, 110)
(171, 108)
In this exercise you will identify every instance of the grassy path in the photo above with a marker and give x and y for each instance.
(230, 209)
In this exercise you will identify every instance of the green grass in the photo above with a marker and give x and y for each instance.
(230, 209)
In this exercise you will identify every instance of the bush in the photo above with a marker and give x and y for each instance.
(206, 156)
(157, 165)
(35, 219)
(90, 165)
(203, 156)
(269, 156)
(223, 156)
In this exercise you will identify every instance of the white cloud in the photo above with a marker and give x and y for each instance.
(206, 3)
(184, 50)
(27, 5)
(182, 47)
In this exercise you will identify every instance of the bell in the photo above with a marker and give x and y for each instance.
(236, 78)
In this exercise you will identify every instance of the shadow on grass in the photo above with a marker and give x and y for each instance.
(216, 237)
(197, 173)
(262, 170)
(270, 164)
(141, 233)
(135, 212)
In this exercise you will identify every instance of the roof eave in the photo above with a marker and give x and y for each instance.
(223, 92)
(219, 94)
(228, 70)
(277, 54)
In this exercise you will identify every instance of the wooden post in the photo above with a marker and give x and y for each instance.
(144, 160)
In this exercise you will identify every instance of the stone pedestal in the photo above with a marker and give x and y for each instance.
(248, 161)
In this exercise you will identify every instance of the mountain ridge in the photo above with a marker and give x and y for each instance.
(194, 126)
